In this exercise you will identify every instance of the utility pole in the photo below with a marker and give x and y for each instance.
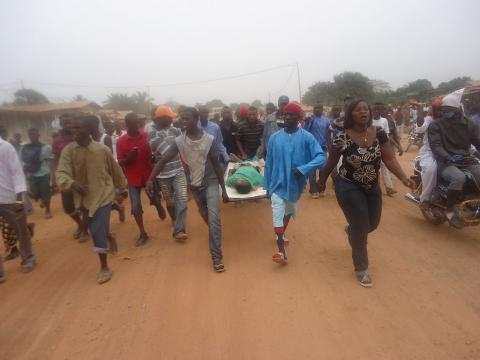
(299, 85)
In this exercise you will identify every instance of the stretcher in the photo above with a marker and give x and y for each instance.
(256, 193)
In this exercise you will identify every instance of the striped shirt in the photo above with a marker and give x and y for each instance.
(160, 141)
(250, 136)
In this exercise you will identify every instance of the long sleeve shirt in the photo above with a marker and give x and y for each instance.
(12, 178)
(94, 166)
(452, 137)
(287, 152)
(319, 126)
(214, 130)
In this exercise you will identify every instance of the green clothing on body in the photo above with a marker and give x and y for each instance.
(246, 173)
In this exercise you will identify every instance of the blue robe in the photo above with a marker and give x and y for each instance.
(287, 152)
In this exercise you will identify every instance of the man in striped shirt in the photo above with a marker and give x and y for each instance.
(249, 135)
(171, 179)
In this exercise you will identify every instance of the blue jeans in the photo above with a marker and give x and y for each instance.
(207, 198)
(362, 209)
(99, 226)
(174, 191)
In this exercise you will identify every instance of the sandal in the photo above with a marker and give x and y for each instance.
(279, 258)
(104, 276)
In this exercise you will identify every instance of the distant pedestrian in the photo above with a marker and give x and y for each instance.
(36, 158)
(249, 136)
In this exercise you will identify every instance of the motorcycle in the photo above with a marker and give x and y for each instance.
(414, 139)
(435, 212)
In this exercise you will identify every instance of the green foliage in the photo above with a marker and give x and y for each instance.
(29, 97)
(257, 103)
(347, 83)
(140, 102)
(215, 103)
(418, 89)
(79, 98)
(454, 84)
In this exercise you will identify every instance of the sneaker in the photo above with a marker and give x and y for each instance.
(104, 276)
(180, 236)
(218, 266)
(314, 195)
(364, 279)
(142, 239)
(321, 194)
(29, 265)
(12, 254)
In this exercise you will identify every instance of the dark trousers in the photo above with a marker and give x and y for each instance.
(18, 222)
(362, 209)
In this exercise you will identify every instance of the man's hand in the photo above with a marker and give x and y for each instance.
(122, 196)
(149, 188)
(456, 159)
(297, 173)
(225, 196)
(79, 188)
(243, 156)
(408, 183)
(260, 152)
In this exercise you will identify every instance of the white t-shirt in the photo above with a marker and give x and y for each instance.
(12, 178)
(382, 123)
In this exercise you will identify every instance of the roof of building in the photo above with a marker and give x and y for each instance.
(50, 107)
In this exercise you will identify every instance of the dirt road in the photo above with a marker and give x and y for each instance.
(165, 302)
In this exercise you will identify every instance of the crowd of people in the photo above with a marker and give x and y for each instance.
(96, 164)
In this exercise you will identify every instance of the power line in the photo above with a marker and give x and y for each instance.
(165, 85)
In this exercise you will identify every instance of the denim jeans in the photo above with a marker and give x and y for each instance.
(362, 209)
(23, 234)
(174, 191)
(207, 198)
(99, 226)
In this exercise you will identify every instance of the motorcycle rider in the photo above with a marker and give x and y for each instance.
(451, 138)
(427, 159)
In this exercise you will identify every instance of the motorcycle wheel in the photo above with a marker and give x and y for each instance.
(434, 215)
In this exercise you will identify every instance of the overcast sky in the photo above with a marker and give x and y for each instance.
(148, 42)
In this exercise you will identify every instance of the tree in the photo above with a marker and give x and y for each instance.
(79, 98)
(418, 89)
(380, 86)
(118, 101)
(454, 84)
(29, 97)
(140, 102)
(215, 103)
(347, 83)
(354, 84)
(257, 103)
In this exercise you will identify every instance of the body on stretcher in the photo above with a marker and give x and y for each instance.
(255, 193)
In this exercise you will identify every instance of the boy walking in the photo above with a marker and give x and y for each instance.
(293, 153)
(36, 159)
(171, 180)
(197, 150)
(89, 169)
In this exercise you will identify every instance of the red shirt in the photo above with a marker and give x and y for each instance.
(138, 170)
(59, 143)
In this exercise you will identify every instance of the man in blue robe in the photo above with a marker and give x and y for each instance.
(293, 153)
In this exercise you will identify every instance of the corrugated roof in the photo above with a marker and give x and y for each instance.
(72, 105)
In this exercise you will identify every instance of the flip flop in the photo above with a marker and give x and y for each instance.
(104, 276)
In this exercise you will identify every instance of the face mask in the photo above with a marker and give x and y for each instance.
(450, 115)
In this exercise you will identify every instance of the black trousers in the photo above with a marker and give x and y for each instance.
(362, 209)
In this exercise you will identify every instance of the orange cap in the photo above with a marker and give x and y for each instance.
(165, 111)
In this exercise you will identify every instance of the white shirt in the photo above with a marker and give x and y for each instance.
(382, 123)
(12, 178)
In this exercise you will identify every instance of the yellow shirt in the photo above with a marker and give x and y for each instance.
(93, 166)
